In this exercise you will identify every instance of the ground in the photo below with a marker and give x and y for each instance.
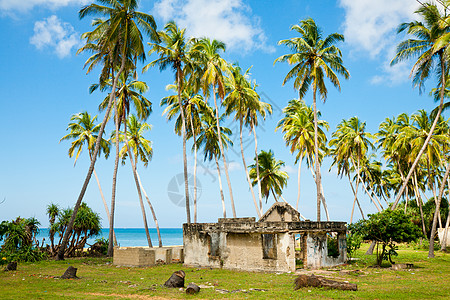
(99, 279)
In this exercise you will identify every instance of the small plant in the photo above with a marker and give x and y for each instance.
(354, 241)
(332, 245)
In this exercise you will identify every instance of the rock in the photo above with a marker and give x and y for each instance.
(192, 288)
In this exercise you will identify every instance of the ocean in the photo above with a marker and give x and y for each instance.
(128, 237)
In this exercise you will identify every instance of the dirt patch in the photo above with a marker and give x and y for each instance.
(129, 296)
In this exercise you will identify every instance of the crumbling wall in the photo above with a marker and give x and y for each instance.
(317, 250)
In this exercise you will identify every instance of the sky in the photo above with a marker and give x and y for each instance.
(43, 84)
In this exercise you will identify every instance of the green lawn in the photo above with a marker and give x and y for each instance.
(100, 279)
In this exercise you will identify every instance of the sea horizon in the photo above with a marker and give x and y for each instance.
(128, 237)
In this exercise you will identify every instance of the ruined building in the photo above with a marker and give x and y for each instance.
(271, 244)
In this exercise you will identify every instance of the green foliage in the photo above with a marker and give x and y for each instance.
(86, 225)
(387, 228)
(353, 243)
(20, 243)
(332, 246)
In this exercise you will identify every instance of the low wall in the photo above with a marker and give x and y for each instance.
(146, 256)
(441, 236)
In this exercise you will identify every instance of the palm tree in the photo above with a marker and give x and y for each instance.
(298, 128)
(273, 180)
(138, 147)
(173, 54)
(52, 212)
(351, 143)
(206, 53)
(119, 36)
(313, 60)
(84, 131)
(208, 139)
(192, 103)
(241, 99)
(430, 46)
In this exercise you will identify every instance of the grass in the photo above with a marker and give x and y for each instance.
(100, 279)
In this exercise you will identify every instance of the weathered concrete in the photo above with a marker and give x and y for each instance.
(266, 245)
(441, 236)
(145, 256)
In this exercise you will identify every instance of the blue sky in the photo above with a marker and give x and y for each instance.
(43, 84)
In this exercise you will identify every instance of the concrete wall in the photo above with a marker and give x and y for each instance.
(317, 251)
(441, 236)
(145, 256)
(239, 251)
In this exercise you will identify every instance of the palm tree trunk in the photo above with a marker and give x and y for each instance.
(246, 171)
(65, 240)
(427, 140)
(356, 198)
(356, 195)
(444, 238)
(257, 168)
(183, 129)
(104, 203)
(316, 154)
(151, 208)
(323, 197)
(436, 212)
(220, 187)
(114, 181)
(223, 154)
(138, 186)
(419, 203)
(365, 188)
(195, 167)
(433, 189)
(298, 182)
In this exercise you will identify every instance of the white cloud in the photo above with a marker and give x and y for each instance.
(289, 169)
(370, 29)
(224, 20)
(54, 34)
(26, 5)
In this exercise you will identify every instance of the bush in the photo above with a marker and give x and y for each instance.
(20, 243)
(387, 228)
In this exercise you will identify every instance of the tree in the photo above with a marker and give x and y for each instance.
(387, 228)
(192, 103)
(298, 128)
(86, 225)
(84, 131)
(208, 139)
(429, 46)
(314, 60)
(273, 179)
(117, 36)
(206, 53)
(173, 54)
(351, 143)
(138, 147)
(131, 92)
(241, 99)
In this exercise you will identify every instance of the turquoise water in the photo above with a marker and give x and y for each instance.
(127, 237)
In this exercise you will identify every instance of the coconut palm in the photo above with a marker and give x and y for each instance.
(192, 103)
(298, 128)
(241, 99)
(173, 54)
(119, 36)
(351, 143)
(84, 131)
(314, 60)
(206, 54)
(273, 179)
(142, 150)
(208, 139)
(430, 47)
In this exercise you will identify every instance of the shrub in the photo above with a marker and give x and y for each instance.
(387, 228)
